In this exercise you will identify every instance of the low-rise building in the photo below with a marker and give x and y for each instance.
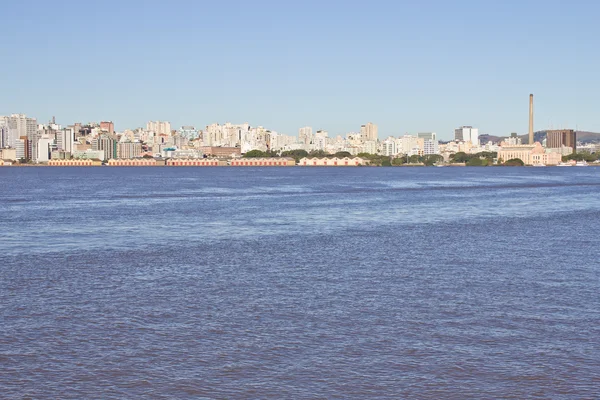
(332, 162)
(263, 162)
(60, 155)
(136, 162)
(179, 153)
(533, 154)
(221, 152)
(204, 162)
(88, 154)
(74, 163)
(8, 154)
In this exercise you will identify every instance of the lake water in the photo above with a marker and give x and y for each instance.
(294, 283)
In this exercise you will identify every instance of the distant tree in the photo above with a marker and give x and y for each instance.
(256, 153)
(295, 154)
(342, 154)
(459, 157)
(318, 153)
(399, 161)
(365, 155)
(386, 162)
(479, 162)
(514, 162)
(486, 154)
(483, 158)
(580, 156)
(432, 159)
(414, 159)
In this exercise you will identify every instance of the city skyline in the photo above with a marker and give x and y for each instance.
(412, 68)
(114, 127)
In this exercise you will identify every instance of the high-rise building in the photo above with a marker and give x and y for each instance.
(430, 147)
(106, 143)
(430, 143)
(107, 126)
(22, 147)
(178, 141)
(4, 131)
(467, 134)
(305, 135)
(370, 147)
(128, 150)
(159, 127)
(408, 144)
(320, 139)
(388, 147)
(18, 125)
(188, 132)
(44, 148)
(427, 135)
(369, 132)
(556, 139)
(65, 139)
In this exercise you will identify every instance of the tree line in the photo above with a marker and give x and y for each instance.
(481, 159)
(295, 154)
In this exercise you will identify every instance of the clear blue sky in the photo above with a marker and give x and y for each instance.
(408, 66)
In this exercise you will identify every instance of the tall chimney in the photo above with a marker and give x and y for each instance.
(531, 119)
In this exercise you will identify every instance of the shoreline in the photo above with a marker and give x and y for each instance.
(284, 166)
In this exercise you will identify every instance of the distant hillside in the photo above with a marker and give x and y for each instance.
(588, 137)
(539, 136)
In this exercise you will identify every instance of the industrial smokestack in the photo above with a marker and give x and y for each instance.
(531, 119)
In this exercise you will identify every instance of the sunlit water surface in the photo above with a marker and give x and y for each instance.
(300, 283)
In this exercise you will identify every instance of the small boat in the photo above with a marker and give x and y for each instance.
(539, 165)
(581, 163)
(563, 164)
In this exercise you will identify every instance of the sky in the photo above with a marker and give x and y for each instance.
(408, 66)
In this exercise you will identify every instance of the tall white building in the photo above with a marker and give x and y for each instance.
(159, 127)
(230, 135)
(320, 140)
(279, 141)
(430, 143)
(370, 146)
(389, 147)
(430, 147)
(4, 132)
(65, 138)
(44, 148)
(18, 126)
(305, 135)
(409, 144)
(467, 134)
